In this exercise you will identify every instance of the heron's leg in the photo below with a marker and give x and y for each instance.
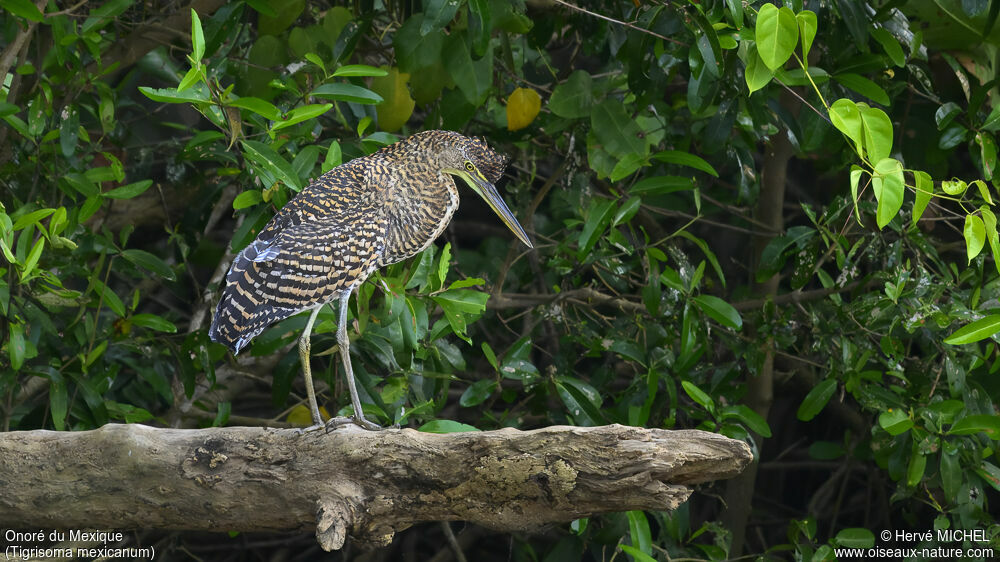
(345, 355)
(306, 370)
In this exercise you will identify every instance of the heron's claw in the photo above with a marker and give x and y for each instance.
(310, 429)
(360, 421)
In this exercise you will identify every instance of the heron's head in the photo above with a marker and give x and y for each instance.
(482, 167)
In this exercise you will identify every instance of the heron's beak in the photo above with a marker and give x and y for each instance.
(489, 192)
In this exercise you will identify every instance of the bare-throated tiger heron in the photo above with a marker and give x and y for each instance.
(370, 212)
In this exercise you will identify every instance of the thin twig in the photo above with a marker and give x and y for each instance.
(455, 547)
(626, 24)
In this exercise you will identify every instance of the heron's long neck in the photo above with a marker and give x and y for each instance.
(418, 212)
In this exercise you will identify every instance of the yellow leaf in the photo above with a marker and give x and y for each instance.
(397, 106)
(522, 108)
(299, 415)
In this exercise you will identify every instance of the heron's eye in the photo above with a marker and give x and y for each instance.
(470, 167)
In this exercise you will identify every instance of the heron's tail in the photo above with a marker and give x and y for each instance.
(245, 310)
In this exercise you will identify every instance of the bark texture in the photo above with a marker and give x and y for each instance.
(349, 481)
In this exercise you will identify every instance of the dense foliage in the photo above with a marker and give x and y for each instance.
(768, 221)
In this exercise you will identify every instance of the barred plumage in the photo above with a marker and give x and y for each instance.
(370, 212)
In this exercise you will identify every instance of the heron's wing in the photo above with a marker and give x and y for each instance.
(339, 193)
(302, 266)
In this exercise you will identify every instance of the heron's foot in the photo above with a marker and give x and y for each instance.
(370, 426)
(310, 429)
(360, 421)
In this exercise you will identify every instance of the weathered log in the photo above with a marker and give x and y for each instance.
(348, 481)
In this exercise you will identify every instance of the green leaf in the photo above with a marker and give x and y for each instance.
(482, 12)
(333, 158)
(626, 211)
(685, 159)
(969, 425)
(266, 157)
(197, 95)
(806, 20)
(348, 93)
(698, 395)
(598, 217)
(248, 198)
(661, 185)
(924, 191)
(463, 300)
(582, 401)
(416, 51)
(846, 117)
(58, 402)
(895, 421)
(888, 185)
(975, 331)
(777, 33)
(952, 137)
(954, 187)
(16, 347)
(863, 86)
(34, 217)
(990, 473)
(110, 299)
(459, 304)
(285, 13)
(473, 78)
(992, 122)
(32, 260)
(573, 98)
(444, 263)
(636, 554)
(478, 392)
(944, 114)
(69, 131)
(639, 531)
(490, 356)
(303, 113)
(816, 400)
(975, 236)
(128, 191)
(720, 311)
(104, 15)
(889, 45)
(615, 129)
(951, 473)
(150, 262)
(154, 322)
(855, 537)
(757, 73)
(23, 8)
(856, 173)
(987, 156)
(877, 132)
(984, 191)
(990, 221)
(197, 37)
(359, 70)
(445, 426)
(915, 470)
(467, 282)
(192, 77)
(260, 107)
(748, 417)
(437, 14)
(314, 58)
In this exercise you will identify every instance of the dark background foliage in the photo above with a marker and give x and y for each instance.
(701, 260)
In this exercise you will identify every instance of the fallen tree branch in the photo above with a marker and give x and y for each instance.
(349, 481)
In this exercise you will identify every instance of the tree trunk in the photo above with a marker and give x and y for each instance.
(367, 484)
